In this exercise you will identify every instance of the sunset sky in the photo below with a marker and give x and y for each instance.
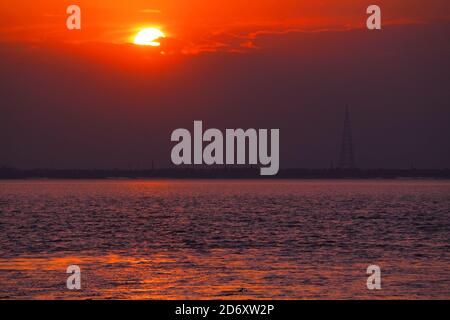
(198, 25)
(91, 98)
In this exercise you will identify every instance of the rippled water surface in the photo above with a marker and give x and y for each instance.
(224, 239)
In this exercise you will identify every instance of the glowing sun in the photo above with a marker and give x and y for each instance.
(148, 37)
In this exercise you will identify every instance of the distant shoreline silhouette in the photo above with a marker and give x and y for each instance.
(222, 173)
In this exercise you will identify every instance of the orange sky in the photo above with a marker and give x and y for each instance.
(199, 25)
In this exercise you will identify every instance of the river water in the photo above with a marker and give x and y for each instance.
(233, 239)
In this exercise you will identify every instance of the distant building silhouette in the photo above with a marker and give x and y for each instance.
(347, 157)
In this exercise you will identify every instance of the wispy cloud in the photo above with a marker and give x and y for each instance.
(150, 11)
